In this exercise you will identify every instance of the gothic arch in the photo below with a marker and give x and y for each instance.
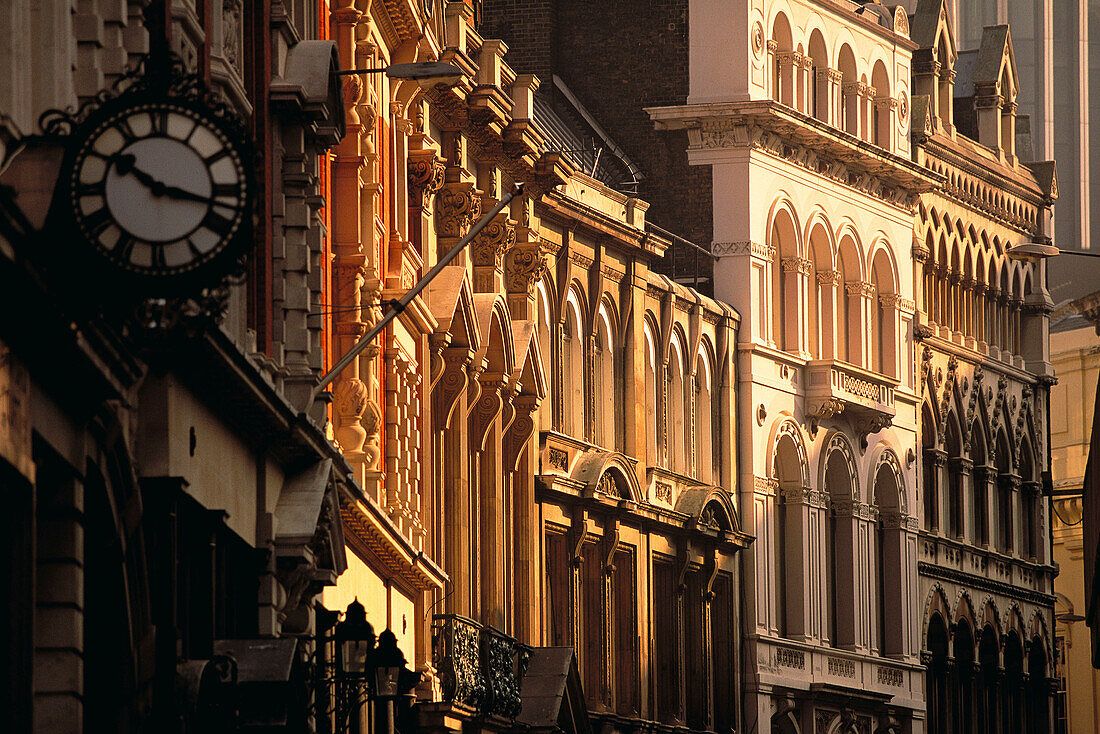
(964, 610)
(494, 324)
(935, 604)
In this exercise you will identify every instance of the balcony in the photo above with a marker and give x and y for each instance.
(480, 668)
(835, 387)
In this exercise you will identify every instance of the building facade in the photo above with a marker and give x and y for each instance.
(838, 132)
(520, 499)
(1073, 352)
(174, 511)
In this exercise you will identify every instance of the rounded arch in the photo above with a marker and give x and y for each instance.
(698, 501)
(839, 471)
(849, 252)
(781, 31)
(884, 268)
(783, 224)
(787, 452)
(885, 463)
(606, 470)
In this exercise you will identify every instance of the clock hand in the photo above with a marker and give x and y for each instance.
(125, 164)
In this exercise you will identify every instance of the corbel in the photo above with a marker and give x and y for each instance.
(612, 538)
(708, 590)
(580, 524)
(685, 564)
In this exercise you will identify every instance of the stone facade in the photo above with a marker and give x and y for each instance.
(173, 512)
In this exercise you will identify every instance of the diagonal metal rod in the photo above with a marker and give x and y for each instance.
(396, 307)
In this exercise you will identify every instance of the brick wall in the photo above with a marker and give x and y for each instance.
(619, 58)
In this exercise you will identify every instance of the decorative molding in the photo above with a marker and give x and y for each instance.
(755, 249)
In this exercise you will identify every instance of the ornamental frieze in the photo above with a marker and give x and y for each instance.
(755, 249)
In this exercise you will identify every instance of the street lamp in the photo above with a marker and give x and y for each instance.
(366, 671)
(354, 643)
(433, 72)
(1033, 252)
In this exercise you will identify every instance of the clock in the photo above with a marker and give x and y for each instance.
(160, 190)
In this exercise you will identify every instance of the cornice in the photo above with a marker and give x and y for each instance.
(805, 141)
(931, 570)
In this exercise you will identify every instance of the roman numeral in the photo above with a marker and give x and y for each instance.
(126, 130)
(215, 157)
(98, 221)
(195, 253)
(223, 189)
(125, 247)
(217, 223)
(90, 189)
(158, 257)
(159, 121)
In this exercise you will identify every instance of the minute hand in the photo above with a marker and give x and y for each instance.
(158, 188)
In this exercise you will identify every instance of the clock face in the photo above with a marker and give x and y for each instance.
(159, 189)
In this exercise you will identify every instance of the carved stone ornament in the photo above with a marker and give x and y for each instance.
(350, 401)
(525, 266)
(828, 408)
(757, 39)
(426, 173)
(457, 207)
(492, 241)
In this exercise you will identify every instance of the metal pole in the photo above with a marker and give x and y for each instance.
(396, 307)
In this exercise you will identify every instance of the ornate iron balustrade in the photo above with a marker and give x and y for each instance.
(479, 667)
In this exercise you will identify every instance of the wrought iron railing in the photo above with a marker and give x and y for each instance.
(479, 667)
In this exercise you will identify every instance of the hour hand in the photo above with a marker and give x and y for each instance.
(176, 192)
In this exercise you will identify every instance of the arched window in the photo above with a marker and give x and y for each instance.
(546, 411)
(1006, 485)
(890, 550)
(1013, 700)
(849, 99)
(785, 279)
(884, 315)
(930, 471)
(989, 700)
(677, 419)
(704, 419)
(787, 541)
(651, 387)
(849, 322)
(840, 543)
(955, 475)
(963, 673)
(608, 399)
(783, 72)
(823, 287)
(1028, 506)
(939, 708)
(819, 81)
(1039, 689)
(573, 369)
(979, 484)
(882, 116)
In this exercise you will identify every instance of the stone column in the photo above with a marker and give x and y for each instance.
(884, 133)
(987, 104)
(796, 271)
(862, 296)
(852, 95)
(828, 96)
(850, 612)
(828, 282)
(983, 494)
(789, 63)
(959, 473)
(801, 553)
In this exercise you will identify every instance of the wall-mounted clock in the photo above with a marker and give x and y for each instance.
(159, 190)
